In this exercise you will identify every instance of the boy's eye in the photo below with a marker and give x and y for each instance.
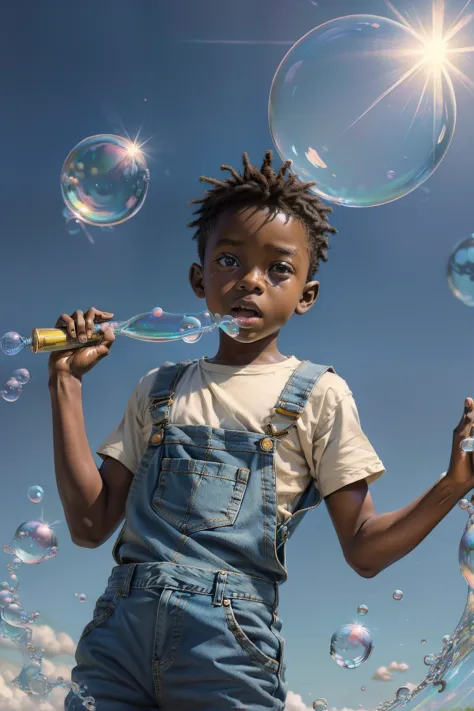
(226, 260)
(283, 268)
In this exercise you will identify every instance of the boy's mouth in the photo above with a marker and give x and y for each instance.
(245, 316)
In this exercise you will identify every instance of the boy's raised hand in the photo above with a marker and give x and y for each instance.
(79, 326)
(461, 465)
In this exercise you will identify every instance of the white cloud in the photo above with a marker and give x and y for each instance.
(294, 702)
(386, 673)
(396, 667)
(382, 674)
(55, 644)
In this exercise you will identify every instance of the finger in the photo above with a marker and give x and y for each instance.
(79, 320)
(102, 315)
(109, 337)
(467, 420)
(65, 321)
(89, 318)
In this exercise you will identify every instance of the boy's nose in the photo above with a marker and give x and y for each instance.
(253, 281)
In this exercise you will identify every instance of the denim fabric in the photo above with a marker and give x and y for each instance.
(189, 619)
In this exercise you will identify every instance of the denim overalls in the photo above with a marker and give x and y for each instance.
(188, 621)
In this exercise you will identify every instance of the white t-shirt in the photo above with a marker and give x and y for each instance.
(327, 443)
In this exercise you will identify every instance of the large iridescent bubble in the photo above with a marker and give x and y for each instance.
(33, 542)
(104, 180)
(350, 110)
(351, 645)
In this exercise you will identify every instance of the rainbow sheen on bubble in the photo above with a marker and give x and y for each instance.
(345, 109)
(351, 645)
(104, 180)
(33, 542)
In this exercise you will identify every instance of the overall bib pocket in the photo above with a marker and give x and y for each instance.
(254, 634)
(196, 495)
(104, 607)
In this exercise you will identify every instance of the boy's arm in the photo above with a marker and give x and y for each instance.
(93, 500)
(371, 541)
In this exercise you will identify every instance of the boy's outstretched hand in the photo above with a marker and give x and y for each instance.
(461, 468)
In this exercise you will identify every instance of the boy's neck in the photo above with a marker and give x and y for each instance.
(231, 352)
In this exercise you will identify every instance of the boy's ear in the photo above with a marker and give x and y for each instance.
(196, 280)
(308, 297)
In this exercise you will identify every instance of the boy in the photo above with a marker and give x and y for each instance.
(214, 464)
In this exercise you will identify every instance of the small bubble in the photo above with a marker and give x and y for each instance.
(11, 391)
(403, 693)
(362, 609)
(397, 595)
(22, 375)
(464, 504)
(320, 705)
(423, 641)
(35, 494)
(82, 597)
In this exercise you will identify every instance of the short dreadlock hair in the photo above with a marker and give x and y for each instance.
(265, 189)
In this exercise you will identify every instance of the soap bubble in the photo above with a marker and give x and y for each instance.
(430, 659)
(104, 180)
(466, 555)
(362, 688)
(320, 705)
(362, 609)
(403, 693)
(15, 615)
(12, 343)
(33, 542)
(22, 375)
(460, 271)
(11, 391)
(187, 324)
(351, 646)
(35, 494)
(82, 597)
(397, 595)
(6, 598)
(423, 641)
(333, 114)
(464, 504)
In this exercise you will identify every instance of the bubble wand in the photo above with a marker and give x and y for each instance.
(157, 326)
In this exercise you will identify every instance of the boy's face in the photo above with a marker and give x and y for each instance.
(255, 269)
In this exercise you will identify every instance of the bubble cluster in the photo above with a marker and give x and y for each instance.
(13, 387)
(33, 542)
(351, 645)
(104, 180)
(373, 133)
(448, 681)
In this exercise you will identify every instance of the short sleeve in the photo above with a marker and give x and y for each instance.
(342, 452)
(128, 442)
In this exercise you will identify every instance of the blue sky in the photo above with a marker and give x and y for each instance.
(385, 320)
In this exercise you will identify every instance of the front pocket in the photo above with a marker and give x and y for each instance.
(196, 495)
(104, 607)
(253, 631)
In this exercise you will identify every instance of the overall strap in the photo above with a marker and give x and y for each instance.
(295, 394)
(163, 389)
